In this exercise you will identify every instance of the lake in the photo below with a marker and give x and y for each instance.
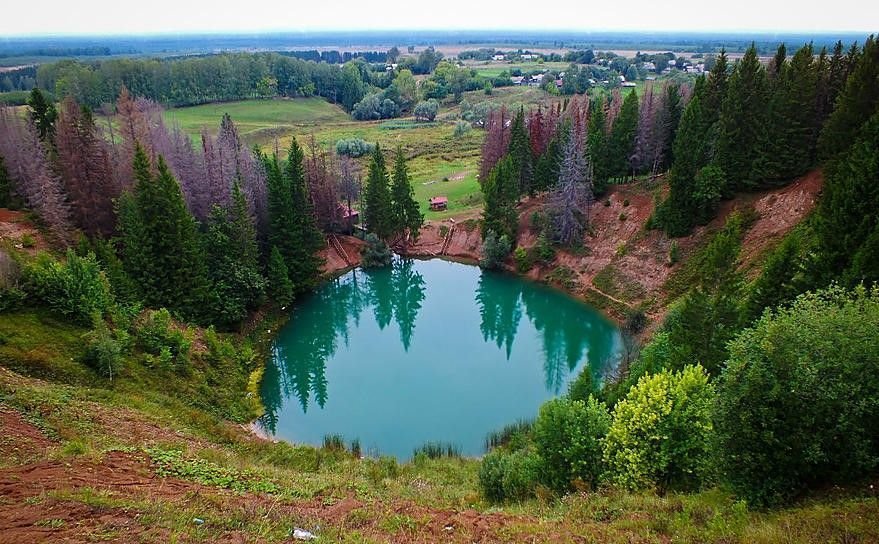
(427, 351)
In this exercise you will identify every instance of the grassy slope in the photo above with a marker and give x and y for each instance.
(202, 456)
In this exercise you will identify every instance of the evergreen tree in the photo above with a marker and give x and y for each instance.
(377, 198)
(546, 167)
(622, 136)
(520, 152)
(406, 214)
(233, 261)
(84, 164)
(679, 212)
(163, 252)
(779, 281)
(280, 288)
(501, 189)
(282, 226)
(598, 147)
(857, 102)
(5, 186)
(305, 264)
(846, 221)
(42, 113)
(741, 124)
(572, 196)
(716, 88)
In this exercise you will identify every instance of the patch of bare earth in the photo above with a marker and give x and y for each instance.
(20, 441)
(630, 265)
(15, 227)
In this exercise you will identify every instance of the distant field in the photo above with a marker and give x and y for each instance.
(433, 151)
(257, 115)
(494, 69)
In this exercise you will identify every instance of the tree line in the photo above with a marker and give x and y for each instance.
(208, 231)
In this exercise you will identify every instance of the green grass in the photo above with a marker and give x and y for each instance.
(253, 116)
(494, 69)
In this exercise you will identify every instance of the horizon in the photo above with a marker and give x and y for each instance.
(100, 18)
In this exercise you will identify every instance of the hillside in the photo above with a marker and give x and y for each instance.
(88, 459)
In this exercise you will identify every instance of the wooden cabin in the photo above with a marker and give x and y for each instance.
(439, 203)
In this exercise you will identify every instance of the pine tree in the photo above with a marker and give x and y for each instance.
(280, 288)
(520, 152)
(716, 86)
(282, 225)
(500, 191)
(405, 211)
(377, 197)
(741, 124)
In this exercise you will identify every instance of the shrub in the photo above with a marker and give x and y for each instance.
(76, 288)
(584, 386)
(509, 476)
(354, 147)
(523, 260)
(544, 251)
(798, 401)
(494, 250)
(106, 348)
(568, 436)
(514, 435)
(376, 253)
(156, 335)
(461, 128)
(661, 432)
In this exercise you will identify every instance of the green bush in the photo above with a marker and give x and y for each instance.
(106, 349)
(661, 432)
(494, 250)
(798, 402)
(505, 476)
(583, 386)
(157, 336)
(376, 253)
(523, 260)
(568, 436)
(354, 147)
(76, 288)
(461, 128)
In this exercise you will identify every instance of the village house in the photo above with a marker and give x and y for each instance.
(439, 203)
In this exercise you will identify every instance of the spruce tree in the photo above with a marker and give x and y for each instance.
(857, 102)
(715, 88)
(305, 264)
(546, 167)
(500, 191)
(520, 152)
(280, 288)
(622, 136)
(377, 197)
(233, 261)
(742, 122)
(406, 214)
(282, 235)
(5, 186)
(42, 113)
(846, 219)
(164, 255)
(598, 147)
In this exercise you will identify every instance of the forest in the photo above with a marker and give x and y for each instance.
(763, 385)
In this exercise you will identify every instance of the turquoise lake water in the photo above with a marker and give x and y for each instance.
(427, 351)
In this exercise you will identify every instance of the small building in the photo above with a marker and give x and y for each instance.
(498, 57)
(628, 84)
(439, 203)
(529, 56)
(518, 80)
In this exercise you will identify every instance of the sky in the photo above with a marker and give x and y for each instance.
(93, 17)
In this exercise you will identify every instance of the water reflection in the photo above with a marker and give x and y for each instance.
(365, 303)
